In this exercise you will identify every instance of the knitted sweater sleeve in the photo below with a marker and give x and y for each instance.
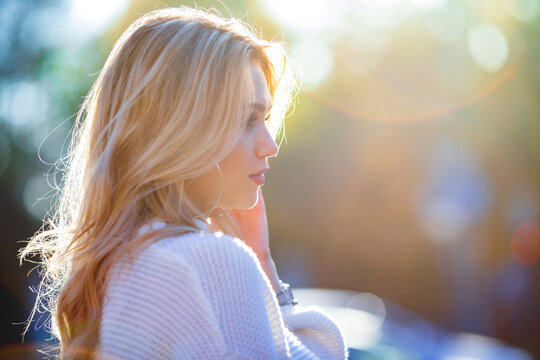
(316, 329)
(155, 309)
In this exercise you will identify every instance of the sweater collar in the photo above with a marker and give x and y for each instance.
(158, 224)
(202, 225)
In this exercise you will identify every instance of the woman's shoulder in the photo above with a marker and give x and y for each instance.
(195, 253)
(205, 257)
(198, 246)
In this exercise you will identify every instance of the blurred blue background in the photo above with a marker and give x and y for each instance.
(408, 187)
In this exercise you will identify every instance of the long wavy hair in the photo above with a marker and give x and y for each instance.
(172, 99)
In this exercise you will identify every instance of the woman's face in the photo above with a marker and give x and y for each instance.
(242, 168)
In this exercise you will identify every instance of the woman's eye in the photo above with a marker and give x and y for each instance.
(250, 121)
(253, 119)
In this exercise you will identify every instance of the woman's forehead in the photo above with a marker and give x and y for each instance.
(262, 98)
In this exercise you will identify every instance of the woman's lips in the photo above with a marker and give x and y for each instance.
(257, 179)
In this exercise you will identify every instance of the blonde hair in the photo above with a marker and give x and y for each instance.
(172, 98)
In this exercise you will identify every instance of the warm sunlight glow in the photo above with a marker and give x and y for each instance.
(87, 18)
(311, 16)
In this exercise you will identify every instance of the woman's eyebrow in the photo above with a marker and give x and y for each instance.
(261, 107)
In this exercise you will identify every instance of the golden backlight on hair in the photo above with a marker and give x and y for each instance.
(173, 96)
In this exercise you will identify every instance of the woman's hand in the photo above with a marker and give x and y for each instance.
(253, 227)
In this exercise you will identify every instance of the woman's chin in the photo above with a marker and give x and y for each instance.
(247, 203)
(254, 200)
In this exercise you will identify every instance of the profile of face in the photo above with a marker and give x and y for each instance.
(242, 169)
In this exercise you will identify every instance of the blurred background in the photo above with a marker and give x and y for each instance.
(405, 197)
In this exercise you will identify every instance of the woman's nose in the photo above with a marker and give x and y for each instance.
(266, 146)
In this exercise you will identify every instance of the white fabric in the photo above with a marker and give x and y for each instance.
(205, 296)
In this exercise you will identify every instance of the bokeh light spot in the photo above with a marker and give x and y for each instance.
(488, 46)
(445, 219)
(456, 193)
(315, 58)
(525, 243)
(23, 103)
(35, 193)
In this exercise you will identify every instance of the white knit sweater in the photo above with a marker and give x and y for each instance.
(205, 296)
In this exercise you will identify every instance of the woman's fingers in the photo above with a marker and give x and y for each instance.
(253, 227)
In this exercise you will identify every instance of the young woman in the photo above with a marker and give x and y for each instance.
(159, 248)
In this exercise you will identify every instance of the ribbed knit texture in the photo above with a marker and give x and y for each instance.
(205, 296)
